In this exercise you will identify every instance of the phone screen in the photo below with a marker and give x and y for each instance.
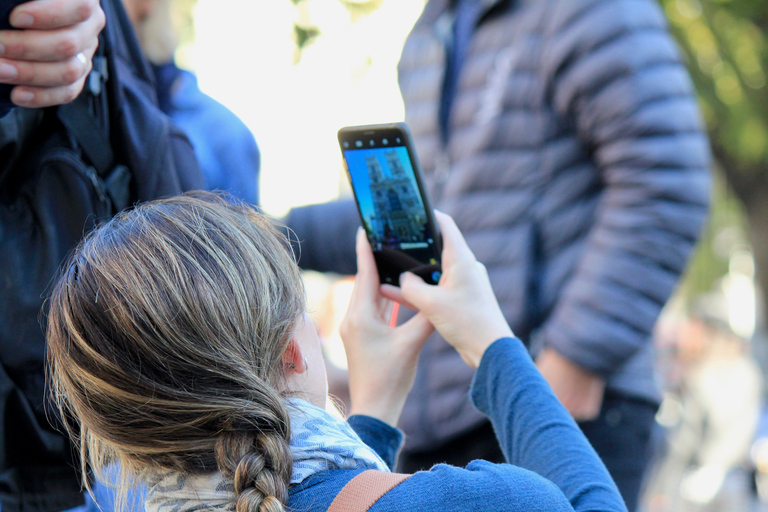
(393, 207)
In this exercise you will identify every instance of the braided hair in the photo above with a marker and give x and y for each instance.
(166, 333)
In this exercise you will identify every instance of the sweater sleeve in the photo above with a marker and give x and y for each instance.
(552, 466)
(535, 432)
(385, 439)
(620, 83)
(326, 236)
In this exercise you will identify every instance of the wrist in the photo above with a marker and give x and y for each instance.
(386, 415)
(383, 409)
(473, 354)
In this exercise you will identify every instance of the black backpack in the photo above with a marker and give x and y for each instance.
(63, 170)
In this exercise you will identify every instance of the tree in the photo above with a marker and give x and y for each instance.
(727, 51)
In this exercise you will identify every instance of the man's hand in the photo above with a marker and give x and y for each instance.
(580, 391)
(49, 58)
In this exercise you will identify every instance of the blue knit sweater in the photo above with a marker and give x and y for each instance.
(551, 466)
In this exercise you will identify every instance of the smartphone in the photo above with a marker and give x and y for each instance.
(393, 204)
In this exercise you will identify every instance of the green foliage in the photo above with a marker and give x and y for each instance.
(727, 48)
(724, 233)
(183, 16)
(304, 35)
(304, 31)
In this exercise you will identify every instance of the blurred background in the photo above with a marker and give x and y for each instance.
(295, 71)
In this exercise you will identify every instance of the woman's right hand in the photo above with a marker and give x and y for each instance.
(462, 307)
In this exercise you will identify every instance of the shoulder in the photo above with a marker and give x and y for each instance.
(627, 30)
(481, 486)
(604, 16)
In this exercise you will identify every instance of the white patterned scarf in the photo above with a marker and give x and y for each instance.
(319, 441)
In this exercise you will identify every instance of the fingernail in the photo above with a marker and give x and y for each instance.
(22, 20)
(2, 49)
(8, 72)
(23, 97)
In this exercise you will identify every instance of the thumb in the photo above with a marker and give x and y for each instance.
(416, 291)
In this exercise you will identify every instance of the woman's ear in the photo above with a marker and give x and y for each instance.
(293, 359)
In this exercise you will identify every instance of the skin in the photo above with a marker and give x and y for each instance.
(304, 365)
(382, 359)
(580, 391)
(139, 10)
(49, 58)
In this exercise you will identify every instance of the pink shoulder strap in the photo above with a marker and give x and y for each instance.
(364, 490)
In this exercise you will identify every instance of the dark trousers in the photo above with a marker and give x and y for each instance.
(620, 435)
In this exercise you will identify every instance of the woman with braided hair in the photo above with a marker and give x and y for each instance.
(180, 349)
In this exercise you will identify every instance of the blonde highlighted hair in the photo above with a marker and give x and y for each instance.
(166, 333)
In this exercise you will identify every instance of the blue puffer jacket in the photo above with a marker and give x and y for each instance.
(577, 169)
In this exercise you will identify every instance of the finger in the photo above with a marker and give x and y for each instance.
(367, 279)
(39, 97)
(46, 74)
(417, 328)
(52, 14)
(394, 293)
(51, 45)
(415, 291)
(455, 248)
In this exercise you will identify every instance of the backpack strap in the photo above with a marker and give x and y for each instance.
(364, 490)
(87, 117)
(87, 121)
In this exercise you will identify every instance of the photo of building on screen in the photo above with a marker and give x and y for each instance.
(398, 219)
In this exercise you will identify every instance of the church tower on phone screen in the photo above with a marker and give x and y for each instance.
(399, 212)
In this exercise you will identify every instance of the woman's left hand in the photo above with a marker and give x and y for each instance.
(382, 359)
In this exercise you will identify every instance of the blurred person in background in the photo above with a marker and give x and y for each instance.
(224, 145)
(44, 62)
(54, 187)
(566, 140)
(719, 396)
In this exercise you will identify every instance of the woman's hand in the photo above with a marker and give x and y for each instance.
(382, 360)
(462, 307)
(50, 57)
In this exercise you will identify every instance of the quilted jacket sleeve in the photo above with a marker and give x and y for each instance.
(326, 235)
(619, 80)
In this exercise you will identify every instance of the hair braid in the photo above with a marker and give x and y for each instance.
(258, 459)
